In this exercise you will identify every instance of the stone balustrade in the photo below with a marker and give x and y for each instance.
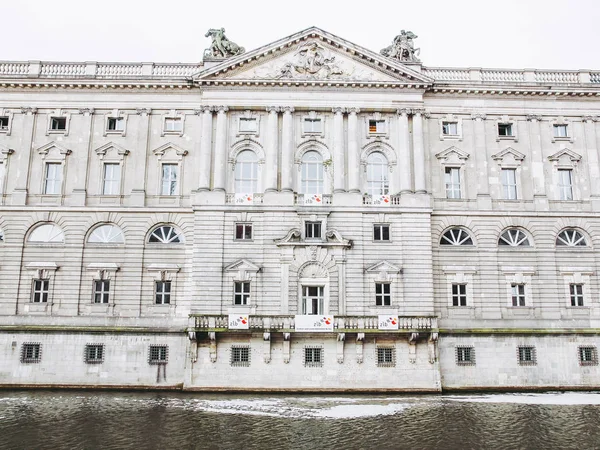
(231, 199)
(341, 323)
(512, 76)
(325, 199)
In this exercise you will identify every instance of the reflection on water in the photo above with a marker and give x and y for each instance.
(89, 420)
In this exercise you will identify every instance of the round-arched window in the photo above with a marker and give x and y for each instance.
(456, 236)
(570, 238)
(312, 173)
(246, 172)
(165, 234)
(377, 174)
(106, 234)
(47, 233)
(513, 237)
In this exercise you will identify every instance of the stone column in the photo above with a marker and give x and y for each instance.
(537, 157)
(353, 152)
(339, 178)
(480, 150)
(205, 149)
(592, 154)
(404, 169)
(287, 149)
(220, 157)
(419, 152)
(19, 166)
(271, 150)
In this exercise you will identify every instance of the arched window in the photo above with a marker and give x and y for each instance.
(165, 234)
(570, 238)
(456, 236)
(514, 237)
(246, 172)
(47, 233)
(377, 174)
(311, 173)
(106, 234)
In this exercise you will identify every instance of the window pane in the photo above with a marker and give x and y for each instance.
(169, 179)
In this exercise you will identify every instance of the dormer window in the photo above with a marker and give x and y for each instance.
(58, 124)
(505, 130)
(312, 230)
(560, 131)
(313, 126)
(173, 125)
(450, 128)
(248, 125)
(376, 126)
(115, 124)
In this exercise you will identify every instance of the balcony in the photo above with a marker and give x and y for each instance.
(342, 324)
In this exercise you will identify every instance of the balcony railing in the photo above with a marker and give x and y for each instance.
(341, 323)
(312, 199)
(244, 200)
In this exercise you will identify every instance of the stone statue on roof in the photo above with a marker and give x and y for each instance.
(402, 48)
(221, 47)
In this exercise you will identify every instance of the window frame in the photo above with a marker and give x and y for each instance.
(527, 355)
(240, 356)
(91, 355)
(509, 190)
(33, 356)
(572, 241)
(312, 185)
(173, 119)
(593, 356)
(510, 126)
(240, 231)
(385, 356)
(310, 226)
(101, 293)
(379, 232)
(560, 126)
(459, 295)
(383, 298)
(242, 183)
(42, 292)
(576, 295)
(457, 240)
(116, 120)
(313, 360)
(450, 184)
(115, 182)
(158, 354)
(518, 297)
(565, 191)
(514, 238)
(307, 297)
(169, 180)
(175, 236)
(55, 182)
(445, 128)
(54, 121)
(312, 120)
(242, 293)
(163, 294)
(377, 186)
(465, 355)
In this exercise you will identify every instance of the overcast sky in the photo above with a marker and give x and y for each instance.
(562, 34)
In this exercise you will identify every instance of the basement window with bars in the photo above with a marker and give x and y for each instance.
(386, 357)
(94, 354)
(158, 354)
(31, 352)
(465, 356)
(313, 356)
(588, 356)
(526, 356)
(240, 356)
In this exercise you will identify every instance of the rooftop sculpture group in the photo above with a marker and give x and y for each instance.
(402, 48)
(221, 47)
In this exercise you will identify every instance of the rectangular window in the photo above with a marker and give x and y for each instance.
(312, 126)
(459, 294)
(58, 123)
(505, 130)
(383, 296)
(111, 179)
(376, 126)
(158, 354)
(576, 294)
(509, 184)
(450, 128)
(248, 125)
(41, 288)
(518, 294)
(115, 124)
(526, 356)
(565, 184)
(243, 231)
(240, 356)
(465, 356)
(386, 357)
(31, 353)
(560, 131)
(312, 230)
(163, 292)
(588, 356)
(170, 176)
(313, 356)
(452, 182)
(94, 353)
(313, 300)
(101, 291)
(173, 124)
(4, 123)
(241, 292)
(381, 232)
(53, 179)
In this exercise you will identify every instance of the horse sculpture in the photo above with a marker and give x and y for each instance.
(221, 47)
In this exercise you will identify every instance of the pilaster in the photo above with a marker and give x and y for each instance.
(271, 150)
(404, 171)
(339, 176)
(21, 163)
(205, 148)
(484, 200)
(287, 149)
(419, 152)
(353, 152)
(220, 157)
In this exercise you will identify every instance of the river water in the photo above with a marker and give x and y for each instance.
(116, 420)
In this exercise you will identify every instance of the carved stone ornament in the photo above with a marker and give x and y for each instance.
(403, 48)
(313, 60)
(221, 47)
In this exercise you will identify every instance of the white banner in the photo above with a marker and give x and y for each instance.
(244, 199)
(388, 322)
(382, 200)
(312, 323)
(313, 199)
(238, 322)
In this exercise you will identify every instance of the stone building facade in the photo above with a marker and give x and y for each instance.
(310, 215)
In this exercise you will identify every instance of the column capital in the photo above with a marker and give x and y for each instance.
(353, 110)
(590, 119)
(28, 110)
(143, 111)
(534, 117)
(203, 109)
(272, 109)
(86, 111)
(420, 112)
(478, 116)
(338, 110)
(287, 109)
(403, 111)
(220, 109)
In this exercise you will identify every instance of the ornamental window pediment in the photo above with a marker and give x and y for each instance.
(111, 151)
(452, 156)
(242, 269)
(383, 271)
(509, 157)
(565, 158)
(53, 151)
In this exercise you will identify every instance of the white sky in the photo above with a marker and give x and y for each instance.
(562, 34)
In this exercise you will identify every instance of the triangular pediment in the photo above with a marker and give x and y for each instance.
(44, 150)
(507, 153)
(244, 265)
(452, 153)
(383, 266)
(565, 152)
(101, 151)
(312, 56)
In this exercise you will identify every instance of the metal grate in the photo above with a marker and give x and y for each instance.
(31, 352)
(94, 354)
(465, 356)
(386, 357)
(527, 356)
(240, 356)
(588, 356)
(158, 354)
(313, 356)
